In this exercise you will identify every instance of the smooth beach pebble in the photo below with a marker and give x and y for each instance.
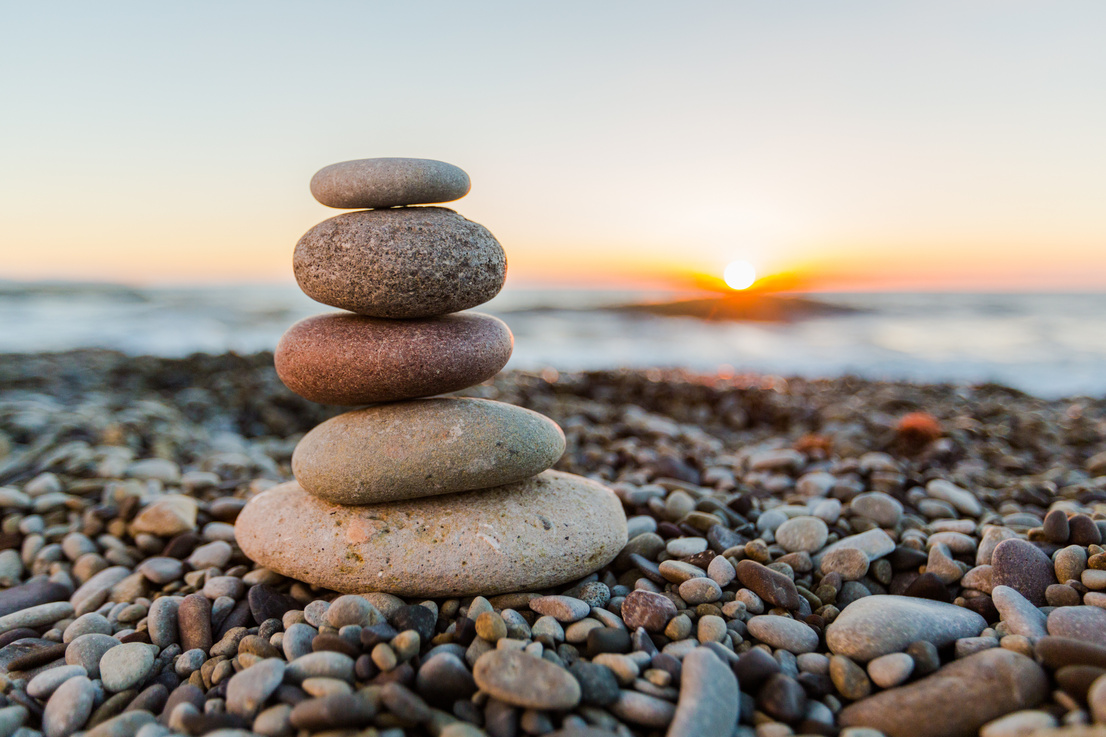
(529, 535)
(68, 707)
(1078, 623)
(802, 534)
(410, 262)
(969, 692)
(248, 689)
(784, 633)
(388, 182)
(877, 625)
(1022, 566)
(709, 699)
(523, 680)
(126, 666)
(345, 359)
(423, 448)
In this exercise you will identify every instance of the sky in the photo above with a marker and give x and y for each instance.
(868, 145)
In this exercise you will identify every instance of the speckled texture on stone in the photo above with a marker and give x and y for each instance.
(423, 448)
(523, 680)
(956, 700)
(1024, 567)
(345, 359)
(388, 182)
(877, 625)
(552, 528)
(709, 699)
(410, 262)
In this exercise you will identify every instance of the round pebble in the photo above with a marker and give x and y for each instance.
(388, 182)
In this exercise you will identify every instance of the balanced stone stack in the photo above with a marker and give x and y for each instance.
(414, 495)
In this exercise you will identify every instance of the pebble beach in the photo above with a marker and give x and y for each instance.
(804, 557)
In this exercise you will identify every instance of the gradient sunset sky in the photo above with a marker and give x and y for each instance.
(876, 144)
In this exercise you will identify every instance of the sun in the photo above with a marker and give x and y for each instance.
(739, 275)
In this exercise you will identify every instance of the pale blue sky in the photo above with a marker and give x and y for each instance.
(160, 142)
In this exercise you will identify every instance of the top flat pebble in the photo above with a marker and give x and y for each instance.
(370, 183)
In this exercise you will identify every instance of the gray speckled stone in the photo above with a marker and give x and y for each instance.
(521, 679)
(1087, 623)
(1019, 615)
(877, 625)
(552, 528)
(248, 689)
(874, 543)
(709, 699)
(388, 182)
(345, 359)
(424, 447)
(126, 666)
(323, 664)
(87, 650)
(411, 262)
(69, 707)
(36, 616)
(783, 632)
(46, 682)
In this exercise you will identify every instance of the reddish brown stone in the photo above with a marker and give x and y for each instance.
(346, 359)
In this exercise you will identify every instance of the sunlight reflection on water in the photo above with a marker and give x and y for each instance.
(1050, 345)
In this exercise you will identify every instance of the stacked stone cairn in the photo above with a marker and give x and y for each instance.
(415, 494)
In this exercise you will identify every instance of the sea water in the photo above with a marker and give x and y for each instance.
(1050, 345)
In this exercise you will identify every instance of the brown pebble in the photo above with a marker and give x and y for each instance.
(345, 359)
(36, 657)
(770, 585)
(334, 643)
(1059, 594)
(194, 621)
(1056, 526)
(1076, 680)
(782, 697)
(647, 609)
(1083, 531)
(1023, 567)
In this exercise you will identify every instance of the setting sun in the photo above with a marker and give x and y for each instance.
(739, 275)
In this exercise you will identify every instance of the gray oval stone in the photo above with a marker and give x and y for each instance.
(388, 182)
(411, 262)
(126, 666)
(323, 664)
(709, 699)
(877, 625)
(546, 530)
(1087, 623)
(46, 682)
(1018, 613)
(424, 447)
(802, 534)
(69, 707)
(162, 620)
(784, 633)
(248, 689)
(87, 650)
(521, 679)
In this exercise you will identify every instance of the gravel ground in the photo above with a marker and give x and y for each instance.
(806, 557)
